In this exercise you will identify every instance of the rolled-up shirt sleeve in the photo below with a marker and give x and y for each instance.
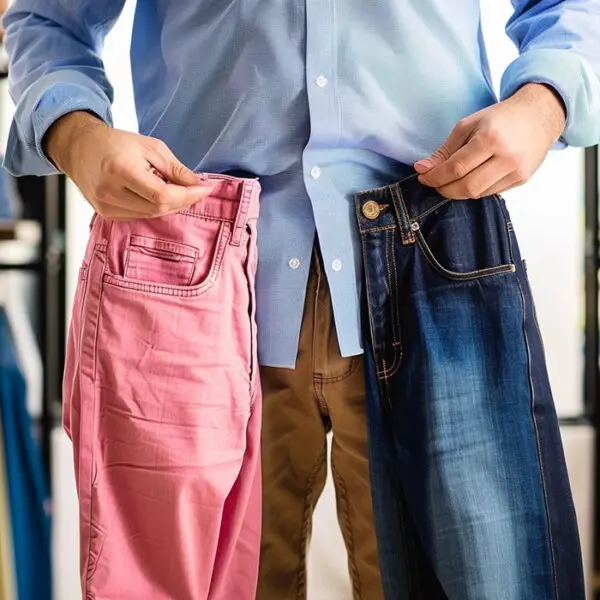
(55, 68)
(559, 44)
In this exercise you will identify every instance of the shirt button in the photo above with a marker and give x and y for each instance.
(336, 265)
(315, 172)
(321, 81)
(294, 263)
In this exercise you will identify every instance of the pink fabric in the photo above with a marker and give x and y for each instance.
(162, 402)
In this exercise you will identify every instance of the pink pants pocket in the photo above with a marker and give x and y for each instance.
(159, 261)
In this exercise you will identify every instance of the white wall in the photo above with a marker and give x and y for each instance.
(548, 216)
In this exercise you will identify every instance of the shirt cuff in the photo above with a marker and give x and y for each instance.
(573, 80)
(46, 101)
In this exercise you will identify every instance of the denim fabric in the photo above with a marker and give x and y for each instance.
(470, 488)
(27, 487)
(10, 205)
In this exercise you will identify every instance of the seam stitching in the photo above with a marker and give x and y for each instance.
(538, 443)
(342, 492)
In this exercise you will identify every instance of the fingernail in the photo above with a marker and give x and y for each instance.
(202, 190)
(425, 163)
(158, 174)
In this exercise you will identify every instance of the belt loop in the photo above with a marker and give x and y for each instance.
(242, 215)
(406, 232)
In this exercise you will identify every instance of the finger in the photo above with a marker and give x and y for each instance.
(125, 199)
(465, 160)
(477, 181)
(170, 167)
(457, 138)
(149, 185)
(115, 213)
(125, 204)
(506, 183)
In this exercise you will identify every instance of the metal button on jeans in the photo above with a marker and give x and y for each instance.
(371, 209)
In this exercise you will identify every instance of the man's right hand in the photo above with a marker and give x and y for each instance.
(123, 175)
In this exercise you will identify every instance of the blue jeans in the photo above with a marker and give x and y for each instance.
(25, 479)
(470, 487)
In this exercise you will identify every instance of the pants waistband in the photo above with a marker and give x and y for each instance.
(402, 204)
(232, 199)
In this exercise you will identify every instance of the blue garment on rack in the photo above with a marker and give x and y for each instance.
(27, 486)
(9, 200)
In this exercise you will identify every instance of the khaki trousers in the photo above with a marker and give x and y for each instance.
(324, 393)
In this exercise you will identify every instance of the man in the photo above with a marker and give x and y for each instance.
(319, 100)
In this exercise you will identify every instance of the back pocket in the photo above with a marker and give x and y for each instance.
(155, 260)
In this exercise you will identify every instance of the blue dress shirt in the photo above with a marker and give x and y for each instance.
(318, 98)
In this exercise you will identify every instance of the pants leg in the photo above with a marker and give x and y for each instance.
(460, 407)
(325, 392)
(340, 384)
(236, 570)
(163, 403)
(294, 460)
(406, 571)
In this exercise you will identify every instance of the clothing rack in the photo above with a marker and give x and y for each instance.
(44, 202)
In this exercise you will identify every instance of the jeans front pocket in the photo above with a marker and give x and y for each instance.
(466, 239)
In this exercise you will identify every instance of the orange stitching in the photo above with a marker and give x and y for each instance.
(380, 228)
(537, 440)
(390, 301)
(306, 523)
(431, 210)
(342, 497)
(455, 276)
(354, 364)
(408, 237)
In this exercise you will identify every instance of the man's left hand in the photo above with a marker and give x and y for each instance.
(497, 148)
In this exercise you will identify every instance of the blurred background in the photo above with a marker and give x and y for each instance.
(43, 232)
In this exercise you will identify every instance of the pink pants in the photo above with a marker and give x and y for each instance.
(162, 402)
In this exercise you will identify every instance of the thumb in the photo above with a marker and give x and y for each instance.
(176, 172)
(456, 140)
(170, 168)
